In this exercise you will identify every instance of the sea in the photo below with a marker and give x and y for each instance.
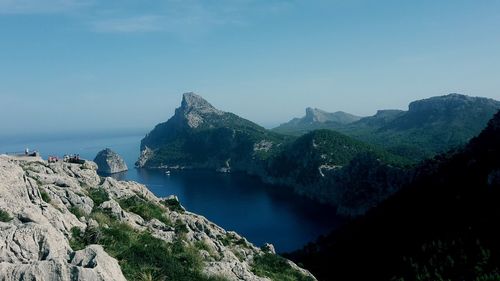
(260, 212)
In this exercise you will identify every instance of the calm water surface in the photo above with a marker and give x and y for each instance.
(238, 202)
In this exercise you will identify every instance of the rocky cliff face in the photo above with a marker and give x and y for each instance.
(195, 110)
(61, 221)
(109, 162)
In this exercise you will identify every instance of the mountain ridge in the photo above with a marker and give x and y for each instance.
(429, 126)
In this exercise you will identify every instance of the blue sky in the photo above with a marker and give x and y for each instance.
(109, 64)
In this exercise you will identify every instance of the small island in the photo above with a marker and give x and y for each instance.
(110, 162)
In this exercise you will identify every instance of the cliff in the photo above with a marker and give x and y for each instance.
(61, 221)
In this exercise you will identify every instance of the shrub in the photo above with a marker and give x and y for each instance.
(173, 205)
(78, 212)
(141, 255)
(76, 242)
(98, 195)
(230, 239)
(147, 210)
(180, 227)
(45, 195)
(276, 268)
(4, 216)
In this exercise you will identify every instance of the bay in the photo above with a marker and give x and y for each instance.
(238, 202)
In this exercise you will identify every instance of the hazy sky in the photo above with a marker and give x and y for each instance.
(71, 65)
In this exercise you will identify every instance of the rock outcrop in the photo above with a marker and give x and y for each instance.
(53, 217)
(109, 162)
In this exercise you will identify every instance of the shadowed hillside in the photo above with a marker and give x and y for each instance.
(440, 227)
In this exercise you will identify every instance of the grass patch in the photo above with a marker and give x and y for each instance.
(180, 227)
(147, 210)
(202, 245)
(173, 205)
(4, 216)
(102, 217)
(276, 268)
(141, 255)
(98, 195)
(77, 242)
(231, 239)
(238, 255)
(78, 212)
(45, 195)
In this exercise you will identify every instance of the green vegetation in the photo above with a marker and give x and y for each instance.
(98, 195)
(442, 225)
(144, 208)
(300, 160)
(431, 126)
(4, 216)
(202, 245)
(180, 227)
(276, 268)
(452, 259)
(140, 254)
(221, 136)
(78, 212)
(173, 205)
(45, 195)
(231, 239)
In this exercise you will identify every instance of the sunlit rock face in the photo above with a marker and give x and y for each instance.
(109, 162)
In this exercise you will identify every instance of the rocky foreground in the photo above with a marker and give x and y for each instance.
(61, 221)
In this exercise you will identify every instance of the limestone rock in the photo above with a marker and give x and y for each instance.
(109, 162)
(34, 245)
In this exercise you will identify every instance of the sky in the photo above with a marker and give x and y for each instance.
(81, 65)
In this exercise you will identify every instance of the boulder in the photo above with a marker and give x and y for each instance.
(109, 162)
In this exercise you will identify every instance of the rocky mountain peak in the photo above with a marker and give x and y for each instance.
(316, 115)
(192, 101)
(194, 110)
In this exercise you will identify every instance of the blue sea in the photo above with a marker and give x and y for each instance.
(238, 202)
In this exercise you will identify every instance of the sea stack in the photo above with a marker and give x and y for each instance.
(110, 162)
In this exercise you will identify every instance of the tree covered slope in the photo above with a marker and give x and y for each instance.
(441, 226)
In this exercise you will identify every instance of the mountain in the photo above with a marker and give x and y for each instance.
(440, 226)
(316, 119)
(316, 165)
(429, 126)
(201, 136)
(62, 221)
(327, 166)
